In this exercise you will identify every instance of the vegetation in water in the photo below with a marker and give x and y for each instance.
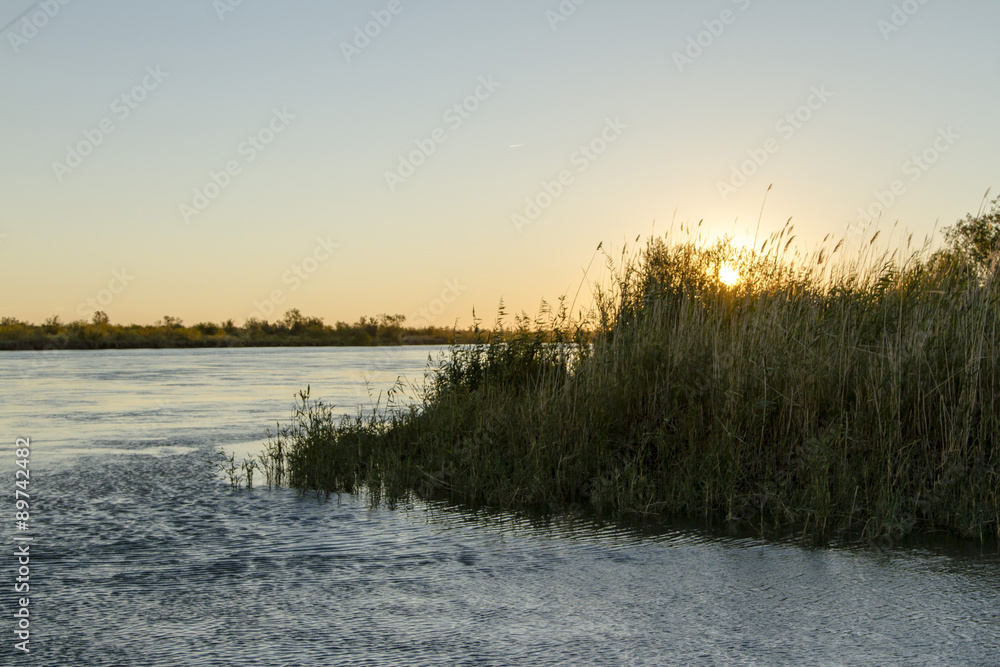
(824, 394)
(240, 472)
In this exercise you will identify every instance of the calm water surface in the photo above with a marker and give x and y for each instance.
(144, 555)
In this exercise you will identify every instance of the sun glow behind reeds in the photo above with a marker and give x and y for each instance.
(829, 393)
(728, 275)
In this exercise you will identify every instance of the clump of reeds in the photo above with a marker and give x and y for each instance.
(240, 472)
(827, 395)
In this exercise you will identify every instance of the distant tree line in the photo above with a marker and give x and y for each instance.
(294, 329)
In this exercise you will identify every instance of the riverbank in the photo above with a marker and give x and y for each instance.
(855, 397)
(294, 330)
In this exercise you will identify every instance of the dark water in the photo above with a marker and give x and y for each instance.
(143, 554)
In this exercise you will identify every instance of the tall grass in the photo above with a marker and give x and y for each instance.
(821, 394)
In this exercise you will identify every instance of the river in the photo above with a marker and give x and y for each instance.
(142, 554)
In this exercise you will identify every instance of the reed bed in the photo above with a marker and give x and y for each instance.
(824, 395)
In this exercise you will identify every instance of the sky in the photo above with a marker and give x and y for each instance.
(227, 159)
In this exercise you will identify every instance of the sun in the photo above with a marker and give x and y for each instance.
(728, 275)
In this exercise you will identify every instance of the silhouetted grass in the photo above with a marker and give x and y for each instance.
(827, 395)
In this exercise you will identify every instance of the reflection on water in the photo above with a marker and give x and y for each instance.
(145, 556)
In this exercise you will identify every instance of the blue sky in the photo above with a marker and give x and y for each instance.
(262, 156)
